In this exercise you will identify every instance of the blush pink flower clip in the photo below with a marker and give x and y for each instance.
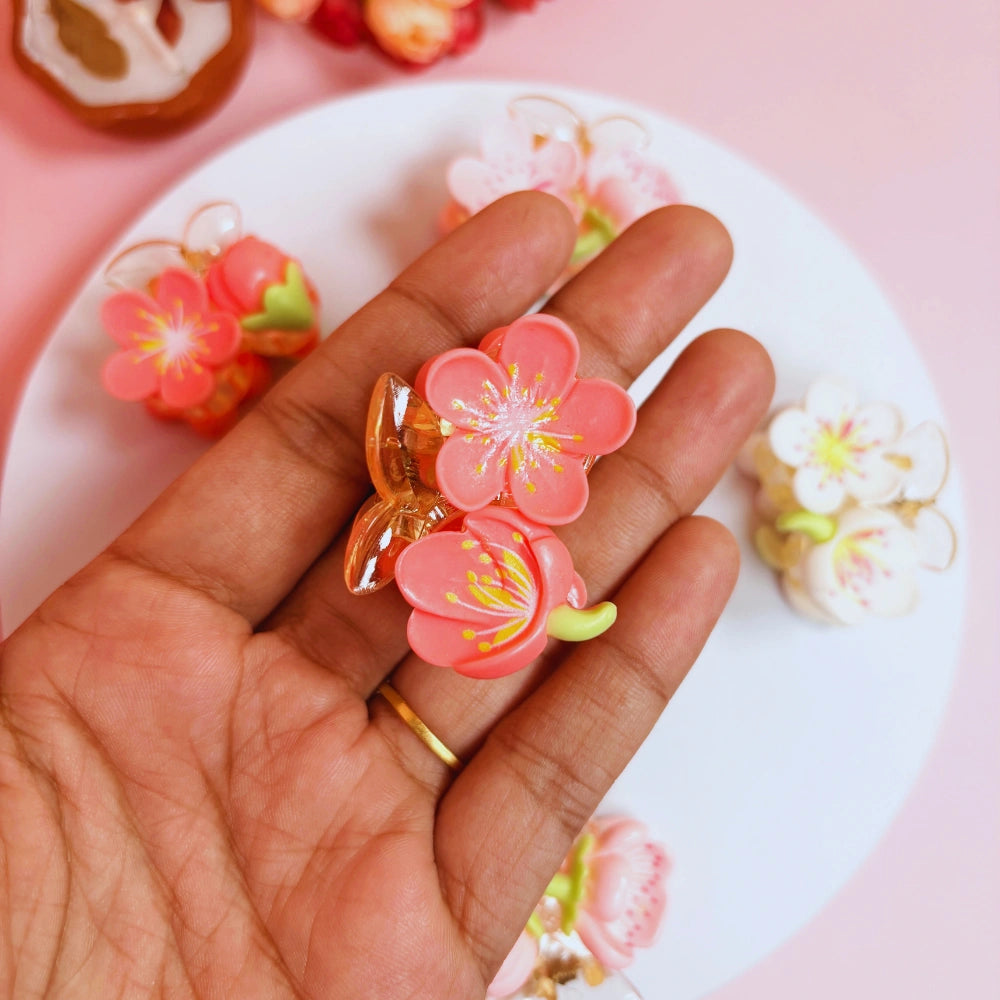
(510, 159)
(613, 889)
(174, 342)
(524, 424)
(486, 598)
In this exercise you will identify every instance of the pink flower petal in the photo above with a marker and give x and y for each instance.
(446, 643)
(600, 415)
(220, 338)
(541, 349)
(179, 290)
(467, 474)
(559, 580)
(552, 491)
(463, 386)
(238, 280)
(126, 316)
(609, 950)
(474, 185)
(130, 375)
(433, 576)
(183, 387)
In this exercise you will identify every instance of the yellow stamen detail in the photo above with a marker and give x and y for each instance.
(468, 634)
(485, 557)
(518, 537)
(468, 544)
(451, 597)
(483, 647)
(509, 631)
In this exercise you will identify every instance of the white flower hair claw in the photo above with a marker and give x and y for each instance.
(846, 511)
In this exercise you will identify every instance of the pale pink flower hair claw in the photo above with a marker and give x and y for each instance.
(624, 891)
(601, 170)
(606, 902)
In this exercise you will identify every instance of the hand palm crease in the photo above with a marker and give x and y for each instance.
(199, 795)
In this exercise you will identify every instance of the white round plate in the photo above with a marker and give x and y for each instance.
(787, 752)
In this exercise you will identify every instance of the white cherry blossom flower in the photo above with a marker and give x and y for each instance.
(837, 448)
(867, 568)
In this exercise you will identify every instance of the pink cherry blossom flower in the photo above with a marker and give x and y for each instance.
(512, 160)
(624, 895)
(486, 597)
(516, 968)
(623, 185)
(173, 342)
(524, 424)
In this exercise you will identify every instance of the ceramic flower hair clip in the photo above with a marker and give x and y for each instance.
(200, 323)
(606, 902)
(847, 504)
(601, 171)
(493, 444)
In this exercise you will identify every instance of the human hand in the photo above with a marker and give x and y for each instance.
(199, 793)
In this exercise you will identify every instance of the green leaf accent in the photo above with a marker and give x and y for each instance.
(287, 306)
(601, 232)
(818, 527)
(567, 887)
(576, 625)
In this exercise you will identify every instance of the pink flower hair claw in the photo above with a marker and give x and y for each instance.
(601, 170)
(607, 902)
(201, 321)
(495, 443)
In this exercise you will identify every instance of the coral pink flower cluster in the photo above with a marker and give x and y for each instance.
(412, 32)
(520, 430)
(610, 894)
(196, 335)
(602, 172)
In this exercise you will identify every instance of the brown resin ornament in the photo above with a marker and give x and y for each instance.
(138, 66)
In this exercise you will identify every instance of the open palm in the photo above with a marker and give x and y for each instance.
(199, 794)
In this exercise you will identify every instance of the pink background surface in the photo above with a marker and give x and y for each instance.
(886, 123)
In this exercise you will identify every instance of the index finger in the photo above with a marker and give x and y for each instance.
(244, 523)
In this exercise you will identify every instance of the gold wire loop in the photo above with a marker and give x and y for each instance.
(403, 710)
